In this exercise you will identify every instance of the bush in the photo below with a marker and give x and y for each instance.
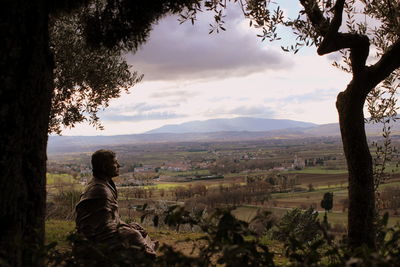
(300, 225)
(231, 242)
(62, 205)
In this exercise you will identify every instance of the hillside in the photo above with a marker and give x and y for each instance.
(232, 125)
(294, 130)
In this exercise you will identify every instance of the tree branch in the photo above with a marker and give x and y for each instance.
(316, 16)
(333, 40)
(333, 29)
(389, 62)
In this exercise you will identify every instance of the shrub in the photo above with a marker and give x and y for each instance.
(62, 205)
(231, 242)
(298, 224)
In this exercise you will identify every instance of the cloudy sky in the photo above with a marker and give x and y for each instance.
(192, 75)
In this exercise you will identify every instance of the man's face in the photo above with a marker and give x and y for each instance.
(113, 168)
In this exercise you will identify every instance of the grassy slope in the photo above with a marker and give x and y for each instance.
(58, 231)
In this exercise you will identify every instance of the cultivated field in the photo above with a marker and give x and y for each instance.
(273, 175)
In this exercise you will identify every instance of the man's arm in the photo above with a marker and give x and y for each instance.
(95, 218)
(134, 237)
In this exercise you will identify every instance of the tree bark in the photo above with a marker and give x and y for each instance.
(25, 100)
(350, 103)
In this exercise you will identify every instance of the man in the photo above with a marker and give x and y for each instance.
(97, 211)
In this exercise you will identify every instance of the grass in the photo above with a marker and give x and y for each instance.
(164, 186)
(389, 184)
(317, 191)
(59, 178)
(208, 184)
(245, 213)
(331, 187)
(319, 171)
(57, 231)
(184, 173)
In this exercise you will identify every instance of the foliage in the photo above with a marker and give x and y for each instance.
(88, 40)
(62, 204)
(390, 198)
(231, 242)
(321, 249)
(228, 241)
(54, 179)
(87, 253)
(327, 201)
(58, 231)
(234, 195)
(86, 78)
(299, 225)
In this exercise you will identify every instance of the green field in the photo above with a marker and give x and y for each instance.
(319, 171)
(240, 160)
(184, 173)
(57, 231)
(59, 178)
(246, 213)
(164, 186)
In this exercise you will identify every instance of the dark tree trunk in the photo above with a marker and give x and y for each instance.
(25, 98)
(350, 103)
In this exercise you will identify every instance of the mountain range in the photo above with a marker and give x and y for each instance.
(210, 130)
(232, 125)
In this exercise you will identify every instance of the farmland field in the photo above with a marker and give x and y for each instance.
(272, 175)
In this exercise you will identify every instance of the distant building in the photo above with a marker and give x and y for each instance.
(144, 169)
(298, 163)
(279, 169)
(176, 166)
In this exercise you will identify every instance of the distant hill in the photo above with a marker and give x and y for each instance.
(232, 125)
(293, 130)
(333, 129)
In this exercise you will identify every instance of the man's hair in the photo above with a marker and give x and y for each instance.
(99, 158)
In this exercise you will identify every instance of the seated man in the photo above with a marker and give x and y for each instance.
(97, 211)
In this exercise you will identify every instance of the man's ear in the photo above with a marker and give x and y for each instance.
(103, 168)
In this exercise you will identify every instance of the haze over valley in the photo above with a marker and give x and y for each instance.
(215, 130)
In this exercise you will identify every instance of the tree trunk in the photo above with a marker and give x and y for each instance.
(25, 100)
(350, 103)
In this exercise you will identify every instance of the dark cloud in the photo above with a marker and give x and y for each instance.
(188, 52)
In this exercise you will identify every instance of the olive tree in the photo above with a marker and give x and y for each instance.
(327, 201)
(320, 24)
(353, 28)
(86, 78)
(37, 94)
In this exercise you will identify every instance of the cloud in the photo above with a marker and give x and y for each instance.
(179, 93)
(317, 95)
(260, 111)
(185, 52)
(147, 116)
(336, 56)
(140, 107)
(140, 112)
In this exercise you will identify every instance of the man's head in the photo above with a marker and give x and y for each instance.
(105, 164)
